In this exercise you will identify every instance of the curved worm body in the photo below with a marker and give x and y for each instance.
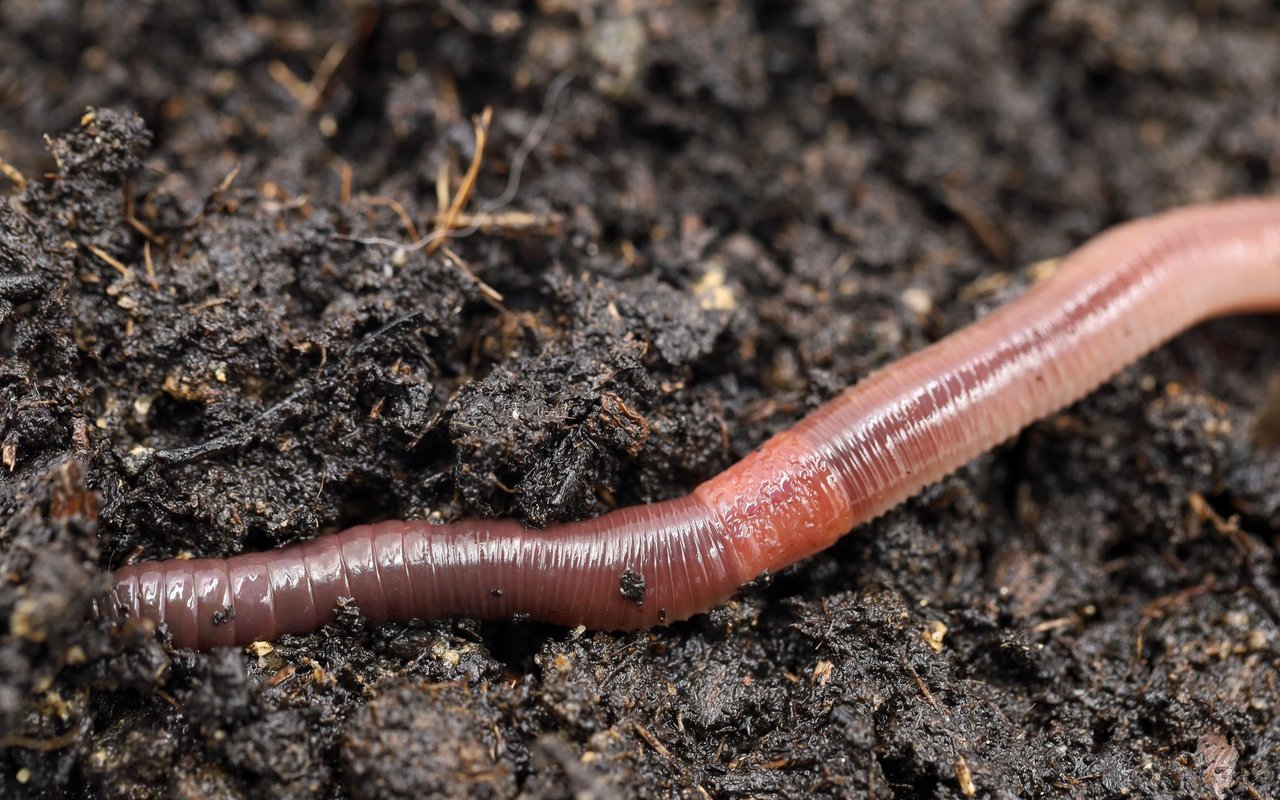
(855, 457)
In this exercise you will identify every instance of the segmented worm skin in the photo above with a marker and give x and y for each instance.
(853, 458)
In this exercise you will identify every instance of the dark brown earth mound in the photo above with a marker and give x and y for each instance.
(736, 210)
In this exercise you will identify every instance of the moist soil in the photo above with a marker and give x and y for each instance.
(735, 210)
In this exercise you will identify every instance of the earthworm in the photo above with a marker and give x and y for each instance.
(863, 452)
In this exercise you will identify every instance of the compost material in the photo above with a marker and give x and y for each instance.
(734, 211)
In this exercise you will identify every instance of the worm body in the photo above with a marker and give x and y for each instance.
(860, 454)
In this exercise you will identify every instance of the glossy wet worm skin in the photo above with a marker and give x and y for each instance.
(908, 425)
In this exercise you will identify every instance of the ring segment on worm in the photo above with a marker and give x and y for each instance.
(903, 427)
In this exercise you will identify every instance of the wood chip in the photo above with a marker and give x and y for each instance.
(965, 777)
(1220, 759)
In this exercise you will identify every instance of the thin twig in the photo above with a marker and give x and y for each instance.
(11, 172)
(111, 260)
(400, 212)
(460, 199)
(531, 140)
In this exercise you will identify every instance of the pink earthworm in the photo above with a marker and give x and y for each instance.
(855, 457)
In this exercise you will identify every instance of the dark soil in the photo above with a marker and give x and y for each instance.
(736, 211)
